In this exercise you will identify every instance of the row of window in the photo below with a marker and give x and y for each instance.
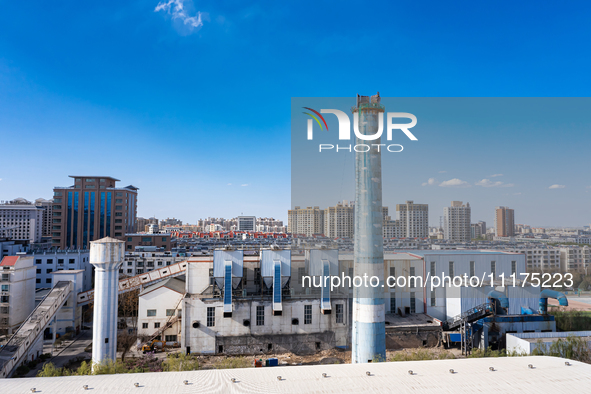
(59, 261)
(260, 315)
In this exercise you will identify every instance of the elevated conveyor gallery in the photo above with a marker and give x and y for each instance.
(13, 353)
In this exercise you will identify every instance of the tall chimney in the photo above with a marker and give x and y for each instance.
(106, 255)
(369, 313)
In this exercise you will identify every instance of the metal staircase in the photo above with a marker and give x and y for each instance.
(469, 316)
(13, 353)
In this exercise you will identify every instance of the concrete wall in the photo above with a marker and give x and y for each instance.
(159, 299)
(204, 339)
(69, 317)
(21, 292)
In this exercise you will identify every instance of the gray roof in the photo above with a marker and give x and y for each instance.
(510, 375)
(176, 284)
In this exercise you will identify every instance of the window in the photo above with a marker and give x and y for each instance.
(118, 200)
(392, 303)
(60, 261)
(37, 280)
(157, 325)
(307, 314)
(164, 239)
(411, 280)
(4, 287)
(170, 338)
(151, 312)
(144, 325)
(493, 268)
(339, 313)
(118, 213)
(451, 269)
(257, 276)
(49, 270)
(90, 180)
(38, 261)
(118, 194)
(118, 221)
(513, 267)
(472, 269)
(260, 315)
(48, 280)
(392, 275)
(432, 269)
(71, 261)
(118, 207)
(433, 300)
(4, 299)
(170, 312)
(412, 302)
(129, 271)
(38, 270)
(211, 316)
(140, 271)
(146, 239)
(49, 261)
(129, 239)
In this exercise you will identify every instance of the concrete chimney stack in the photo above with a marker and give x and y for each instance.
(106, 255)
(369, 312)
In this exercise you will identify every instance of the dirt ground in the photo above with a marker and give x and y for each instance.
(332, 356)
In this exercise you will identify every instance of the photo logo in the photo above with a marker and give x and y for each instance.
(345, 129)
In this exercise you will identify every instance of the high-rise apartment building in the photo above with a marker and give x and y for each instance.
(91, 209)
(306, 221)
(414, 219)
(478, 229)
(339, 220)
(504, 222)
(20, 220)
(46, 216)
(456, 222)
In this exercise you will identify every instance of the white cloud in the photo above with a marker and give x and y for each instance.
(454, 183)
(176, 8)
(588, 187)
(517, 194)
(557, 187)
(495, 175)
(488, 183)
(229, 184)
(442, 172)
(244, 184)
(430, 182)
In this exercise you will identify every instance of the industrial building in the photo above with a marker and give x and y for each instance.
(530, 342)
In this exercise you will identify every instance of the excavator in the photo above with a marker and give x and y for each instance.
(155, 346)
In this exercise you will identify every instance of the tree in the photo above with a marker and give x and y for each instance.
(128, 311)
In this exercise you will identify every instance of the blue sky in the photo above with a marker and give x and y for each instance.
(191, 104)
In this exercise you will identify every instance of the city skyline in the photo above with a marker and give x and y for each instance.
(144, 94)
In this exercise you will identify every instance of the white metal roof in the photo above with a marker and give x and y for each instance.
(510, 375)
